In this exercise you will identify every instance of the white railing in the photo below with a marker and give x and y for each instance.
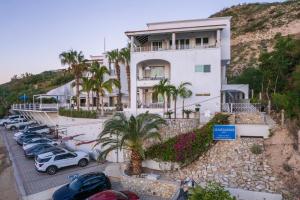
(50, 107)
(150, 78)
(241, 107)
(152, 105)
(178, 47)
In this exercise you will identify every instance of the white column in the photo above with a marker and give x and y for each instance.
(218, 38)
(173, 41)
(131, 43)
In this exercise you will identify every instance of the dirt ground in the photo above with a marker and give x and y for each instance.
(285, 161)
(7, 180)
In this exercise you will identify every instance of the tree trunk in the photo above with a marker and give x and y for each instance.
(128, 83)
(182, 108)
(97, 100)
(136, 162)
(175, 106)
(88, 100)
(267, 90)
(77, 92)
(102, 105)
(119, 99)
(276, 80)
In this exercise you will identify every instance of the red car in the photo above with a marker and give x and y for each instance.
(114, 195)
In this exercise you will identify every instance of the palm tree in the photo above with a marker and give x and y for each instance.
(184, 94)
(87, 86)
(77, 65)
(100, 84)
(163, 88)
(130, 134)
(114, 56)
(125, 55)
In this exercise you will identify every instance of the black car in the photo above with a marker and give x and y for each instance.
(28, 137)
(34, 151)
(83, 187)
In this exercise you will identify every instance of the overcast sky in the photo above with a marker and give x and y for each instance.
(34, 32)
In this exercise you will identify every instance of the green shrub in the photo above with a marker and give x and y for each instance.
(78, 113)
(187, 147)
(212, 191)
(256, 149)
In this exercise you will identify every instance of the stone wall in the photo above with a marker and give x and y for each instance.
(250, 118)
(178, 126)
(162, 188)
(232, 164)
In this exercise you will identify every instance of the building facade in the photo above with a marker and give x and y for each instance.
(195, 51)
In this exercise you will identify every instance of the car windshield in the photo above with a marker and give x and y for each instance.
(75, 184)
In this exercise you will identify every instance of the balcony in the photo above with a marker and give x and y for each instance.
(178, 47)
(151, 105)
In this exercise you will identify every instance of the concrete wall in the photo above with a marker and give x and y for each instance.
(249, 130)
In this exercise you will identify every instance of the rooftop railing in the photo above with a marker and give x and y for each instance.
(178, 47)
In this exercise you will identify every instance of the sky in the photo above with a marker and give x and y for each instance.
(34, 32)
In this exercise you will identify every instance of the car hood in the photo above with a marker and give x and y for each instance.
(64, 193)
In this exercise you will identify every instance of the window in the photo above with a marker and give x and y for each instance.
(198, 41)
(156, 45)
(157, 72)
(183, 43)
(60, 157)
(202, 68)
(205, 40)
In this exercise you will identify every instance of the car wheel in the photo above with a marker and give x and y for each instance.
(83, 163)
(13, 128)
(51, 170)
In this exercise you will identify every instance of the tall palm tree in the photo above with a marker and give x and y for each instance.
(87, 86)
(125, 55)
(100, 84)
(115, 57)
(163, 88)
(184, 94)
(77, 65)
(130, 134)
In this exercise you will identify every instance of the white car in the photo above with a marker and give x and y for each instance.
(43, 129)
(5, 121)
(18, 124)
(36, 141)
(52, 161)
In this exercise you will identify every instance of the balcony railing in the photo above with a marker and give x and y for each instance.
(150, 78)
(178, 47)
(44, 107)
(151, 105)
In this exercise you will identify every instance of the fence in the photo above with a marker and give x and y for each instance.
(44, 107)
(241, 107)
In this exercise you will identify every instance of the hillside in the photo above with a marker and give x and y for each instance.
(254, 27)
(30, 85)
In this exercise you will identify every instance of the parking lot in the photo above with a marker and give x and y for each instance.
(30, 181)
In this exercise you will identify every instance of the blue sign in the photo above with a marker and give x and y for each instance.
(224, 132)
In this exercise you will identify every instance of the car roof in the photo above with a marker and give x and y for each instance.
(59, 151)
(90, 175)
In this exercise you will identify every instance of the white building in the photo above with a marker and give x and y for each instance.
(195, 51)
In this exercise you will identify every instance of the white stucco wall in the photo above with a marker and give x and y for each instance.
(183, 69)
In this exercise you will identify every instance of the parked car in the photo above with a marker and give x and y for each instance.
(35, 141)
(3, 122)
(114, 195)
(83, 187)
(51, 162)
(41, 129)
(26, 138)
(32, 151)
(17, 125)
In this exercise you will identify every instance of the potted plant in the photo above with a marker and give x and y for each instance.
(188, 112)
(197, 108)
(169, 113)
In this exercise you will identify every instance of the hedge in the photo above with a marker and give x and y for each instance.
(187, 147)
(78, 113)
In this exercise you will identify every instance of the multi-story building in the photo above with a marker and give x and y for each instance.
(195, 51)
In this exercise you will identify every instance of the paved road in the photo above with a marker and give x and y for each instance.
(34, 182)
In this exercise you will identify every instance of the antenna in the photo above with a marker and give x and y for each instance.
(104, 47)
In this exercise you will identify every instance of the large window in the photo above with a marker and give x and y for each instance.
(202, 41)
(156, 45)
(202, 68)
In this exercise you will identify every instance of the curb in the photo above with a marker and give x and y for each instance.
(19, 184)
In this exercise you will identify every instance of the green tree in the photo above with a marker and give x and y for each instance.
(87, 86)
(181, 90)
(165, 89)
(101, 85)
(125, 56)
(77, 65)
(212, 191)
(114, 56)
(130, 134)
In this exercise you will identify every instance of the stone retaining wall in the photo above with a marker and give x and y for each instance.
(162, 188)
(178, 126)
(250, 118)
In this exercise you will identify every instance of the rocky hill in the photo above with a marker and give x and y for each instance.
(254, 27)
